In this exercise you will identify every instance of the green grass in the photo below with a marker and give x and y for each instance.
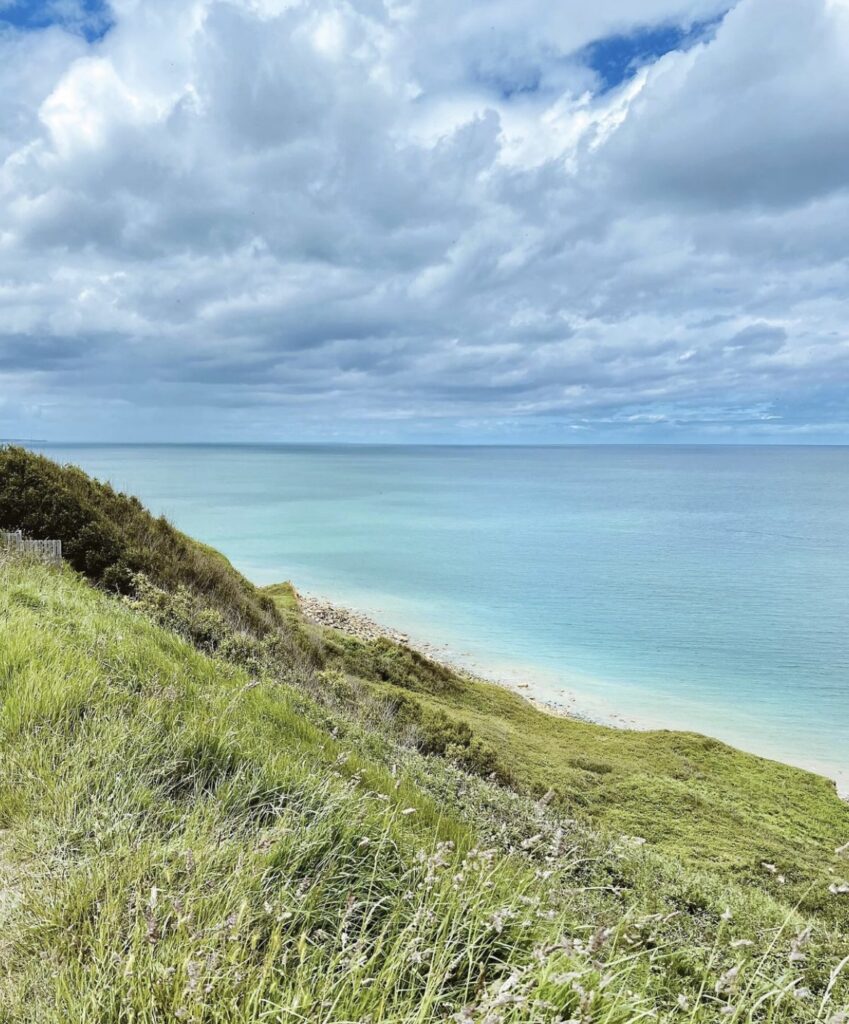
(687, 795)
(184, 840)
(284, 596)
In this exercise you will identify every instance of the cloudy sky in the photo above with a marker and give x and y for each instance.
(447, 220)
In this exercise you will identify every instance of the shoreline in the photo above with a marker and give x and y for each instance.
(322, 611)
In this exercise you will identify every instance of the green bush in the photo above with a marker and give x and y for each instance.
(390, 662)
(110, 537)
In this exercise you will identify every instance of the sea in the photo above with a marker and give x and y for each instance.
(703, 588)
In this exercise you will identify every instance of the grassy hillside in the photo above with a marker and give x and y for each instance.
(183, 840)
(685, 793)
(110, 537)
(212, 810)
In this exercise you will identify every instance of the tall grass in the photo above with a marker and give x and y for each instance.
(186, 841)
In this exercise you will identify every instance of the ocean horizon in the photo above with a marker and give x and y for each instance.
(696, 587)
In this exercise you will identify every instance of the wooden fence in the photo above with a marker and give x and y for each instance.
(48, 550)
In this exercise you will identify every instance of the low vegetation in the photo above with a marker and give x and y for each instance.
(685, 794)
(211, 810)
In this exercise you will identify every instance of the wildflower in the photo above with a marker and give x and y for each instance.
(465, 1016)
(798, 944)
(527, 844)
(727, 980)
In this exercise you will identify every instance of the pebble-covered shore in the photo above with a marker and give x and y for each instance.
(322, 612)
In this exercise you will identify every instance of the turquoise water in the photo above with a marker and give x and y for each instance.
(690, 587)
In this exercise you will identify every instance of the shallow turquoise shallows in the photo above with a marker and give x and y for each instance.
(704, 588)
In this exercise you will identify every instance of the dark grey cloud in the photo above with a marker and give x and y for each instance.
(295, 218)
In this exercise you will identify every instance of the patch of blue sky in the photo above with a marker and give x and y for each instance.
(617, 58)
(89, 18)
(613, 59)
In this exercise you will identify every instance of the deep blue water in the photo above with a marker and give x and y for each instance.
(691, 587)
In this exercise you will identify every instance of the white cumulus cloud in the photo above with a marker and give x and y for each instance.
(391, 219)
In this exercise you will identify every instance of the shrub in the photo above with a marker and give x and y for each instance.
(110, 538)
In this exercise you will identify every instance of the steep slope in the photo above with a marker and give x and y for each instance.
(190, 842)
(110, 536)
(687, 795)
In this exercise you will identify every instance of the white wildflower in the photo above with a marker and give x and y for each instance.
(797, 945)
(727, 980)
(526, 844)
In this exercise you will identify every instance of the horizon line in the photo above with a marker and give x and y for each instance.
(425, 444)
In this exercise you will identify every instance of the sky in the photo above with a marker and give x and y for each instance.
(473, 221)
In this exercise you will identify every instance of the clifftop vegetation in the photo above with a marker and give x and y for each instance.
(110, 537)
